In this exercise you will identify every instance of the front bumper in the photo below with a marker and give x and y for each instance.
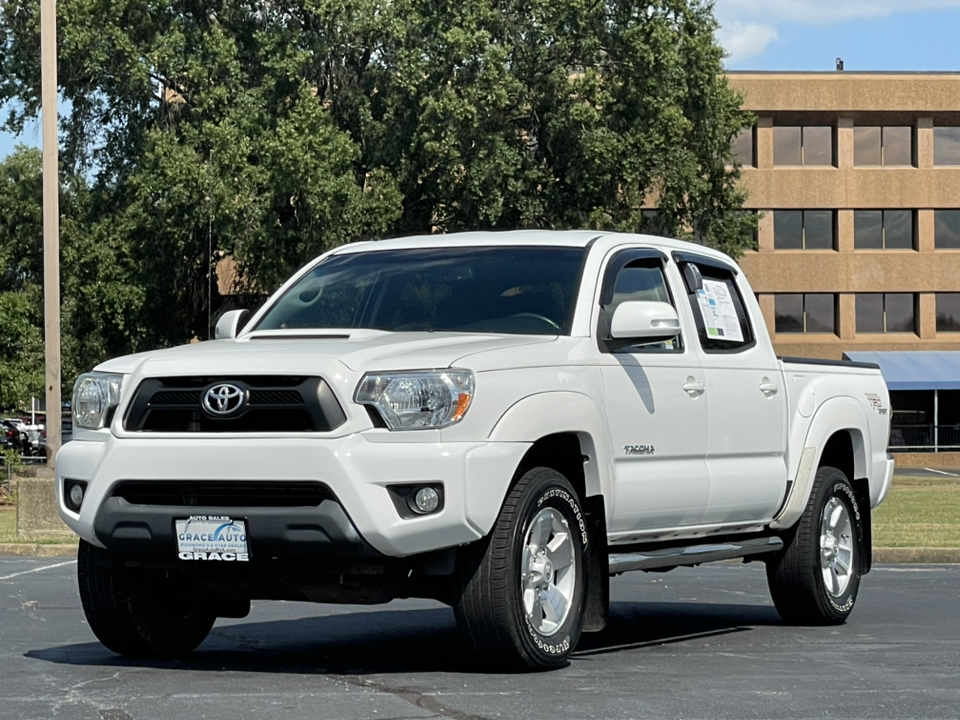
(361, 518)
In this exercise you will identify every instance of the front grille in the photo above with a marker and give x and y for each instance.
(186, 493)
(275, 397)
(273, 404)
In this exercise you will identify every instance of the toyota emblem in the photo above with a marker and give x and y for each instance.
(224, 399)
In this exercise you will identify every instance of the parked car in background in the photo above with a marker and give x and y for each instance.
(13, 436)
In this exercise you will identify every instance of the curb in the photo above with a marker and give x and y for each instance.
(916, 555)
(38, 550)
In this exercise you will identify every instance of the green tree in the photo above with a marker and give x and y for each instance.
(271, 131)
(101, 300)
(21, 274)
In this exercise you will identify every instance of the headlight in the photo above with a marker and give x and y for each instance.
(418, 400)
(93, 395)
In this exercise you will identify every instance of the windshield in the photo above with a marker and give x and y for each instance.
(521, 290)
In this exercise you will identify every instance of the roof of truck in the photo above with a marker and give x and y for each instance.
(556, 238)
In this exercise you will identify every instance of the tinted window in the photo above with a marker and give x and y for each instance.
(807, 313)
(890, 145)
(817, 146)
(946, 229)
(866, 146)
(886, 312)
(786, 146)
(803, 229)
(787, 229)
(870, 313)
(899, 311)
(485, 290)
(898, 229)
(868, 229)
(898, 146)
(946, 145)
(743, 147)
(948, 312)
(788, 313)
(879, 229)
(639, 280)
(809, 145)
(820, 310)
(722, 322)
(818, 229)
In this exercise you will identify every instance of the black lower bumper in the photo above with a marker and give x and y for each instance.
(322, 531)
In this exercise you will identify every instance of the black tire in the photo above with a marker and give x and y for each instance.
(490, 612)
(139, 612)
(797, 576)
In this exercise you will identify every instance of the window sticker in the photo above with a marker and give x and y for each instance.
(720, 319)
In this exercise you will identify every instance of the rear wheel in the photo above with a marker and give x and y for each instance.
(139, 612)
(523, 591)
(816, 579)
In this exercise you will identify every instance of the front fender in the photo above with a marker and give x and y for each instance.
(835, 415)
(550, 413)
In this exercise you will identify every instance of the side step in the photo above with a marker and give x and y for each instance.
(691, 555)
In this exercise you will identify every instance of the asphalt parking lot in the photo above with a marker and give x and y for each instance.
(696, 643)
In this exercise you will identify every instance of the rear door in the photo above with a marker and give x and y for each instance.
(655, 406)
(746, 422)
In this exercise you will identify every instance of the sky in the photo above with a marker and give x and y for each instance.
(909, 35)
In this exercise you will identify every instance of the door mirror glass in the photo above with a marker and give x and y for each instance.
(647, 320)
(230, 323)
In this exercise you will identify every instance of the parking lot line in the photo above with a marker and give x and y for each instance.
(45, 567)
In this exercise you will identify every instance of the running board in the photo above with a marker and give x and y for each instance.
(691, 555)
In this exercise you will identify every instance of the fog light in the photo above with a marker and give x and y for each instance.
(74, 494)
(426, 500)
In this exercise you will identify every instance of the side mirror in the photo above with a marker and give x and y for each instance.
(648, 320)
(230, 323)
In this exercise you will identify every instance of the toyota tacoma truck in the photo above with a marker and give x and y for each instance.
(498, 421)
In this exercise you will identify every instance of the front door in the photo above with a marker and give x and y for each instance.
(656, 410)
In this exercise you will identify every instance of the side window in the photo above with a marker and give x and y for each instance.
(638, 279)
(722, 321)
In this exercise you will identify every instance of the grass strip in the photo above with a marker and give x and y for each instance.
(8, 530)
(919, 512)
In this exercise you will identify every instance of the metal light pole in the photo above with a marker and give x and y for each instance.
(51, 223)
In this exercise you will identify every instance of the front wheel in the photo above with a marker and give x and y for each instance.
(816, 579)
(522, 601)
(139, 612)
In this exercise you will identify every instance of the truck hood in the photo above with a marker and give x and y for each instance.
(291, 353)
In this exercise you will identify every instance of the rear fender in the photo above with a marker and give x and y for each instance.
(835, 415)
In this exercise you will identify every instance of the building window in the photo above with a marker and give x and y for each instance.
(889, 145)
(743, 144)
(803, 230)
(806, 313)
(808, 145)
(946, 145)
(946, 229)
(886, 313)
(948, 312)
(883, 230)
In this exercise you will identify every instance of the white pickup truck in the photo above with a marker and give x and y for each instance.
(499, 421)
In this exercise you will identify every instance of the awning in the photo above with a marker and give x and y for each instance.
(933, 370)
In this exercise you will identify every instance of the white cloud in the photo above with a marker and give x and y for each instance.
(749, 26)
(746, 40)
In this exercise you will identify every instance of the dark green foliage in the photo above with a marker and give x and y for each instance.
(272, 131)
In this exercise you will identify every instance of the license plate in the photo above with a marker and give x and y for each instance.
(212, 537)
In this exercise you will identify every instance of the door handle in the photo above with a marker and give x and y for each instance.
(769, 388)
(694, 388)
